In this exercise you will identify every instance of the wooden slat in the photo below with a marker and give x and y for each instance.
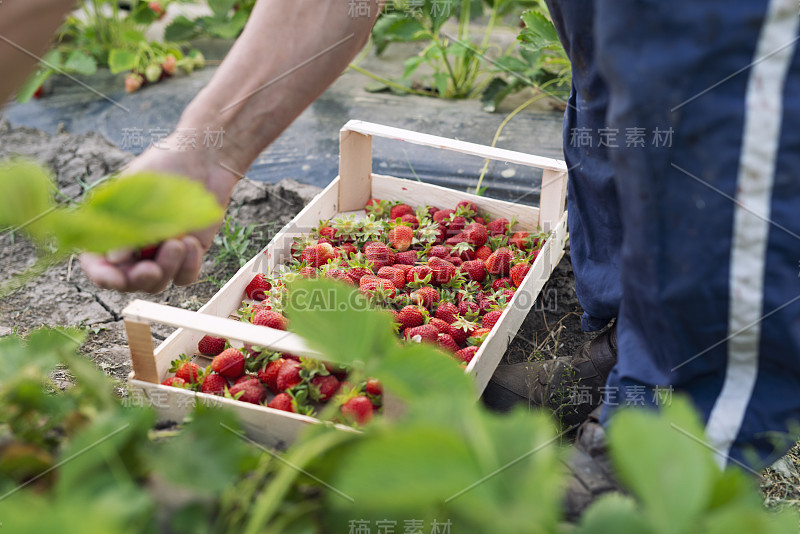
(355, 169)
(552, 199)
(464, 147)
(140, 341)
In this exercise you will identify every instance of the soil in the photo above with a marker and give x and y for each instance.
(63, 296)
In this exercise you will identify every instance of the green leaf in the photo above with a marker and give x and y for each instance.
(81, 63)
(661, 458)
(396, 28)
(440, 80)
(227, 29)
(135, 210)
(31, 187)
(221, 7)
(613, 513)
(52, 59)
(32, 84)
(142, 14)
(539, 31)
(120, 60)
(493, 94)
(181, 29)
(411, 65)
(338, 321)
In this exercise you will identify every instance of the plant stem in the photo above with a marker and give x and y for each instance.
(387, 82)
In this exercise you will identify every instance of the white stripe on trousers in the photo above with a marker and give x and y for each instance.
(762, 125)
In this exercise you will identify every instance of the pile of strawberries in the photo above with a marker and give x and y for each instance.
(445, 275)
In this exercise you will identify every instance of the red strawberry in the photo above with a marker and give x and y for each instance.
(418, 273)
(410, 219)
(497, 226)
(307, 272)
(467, 306)
(518, 273)
(439, 251)
(318, 255)
(395, 276)
(356, 273)
(379, 254)
(258, 287)
(288, 375)
(425, 296)
(211, 346)
(457, 224)
(331, 234)
(447, 312)
(426, 332)
(282, 401)
(169, 65)
(374, 387)
(443, 270)
(271, 319)
(410, 316)
(133, 82)
(466, 354)
(269, 374)
(188, 372)
(338, 274)
(483, 253)
(378, 208)
(358, 409)
(290, 356)
(214, 384)
(39, 93)
(499, 262)
(439, 324)
(408, 257)
(474, 270)
(157, 8)
(400, 237)
(252, 391)
(468, 204)
(149, 252)
(491, 318)
(402, 267)
(447, 342)
(230, 363)
(347, 249)
(455, 260)
(479, 220)
(174, 381)
(501, 282)
(521, 240)
(476, 234)
(442, 215)
(326, 387)
(400, 210)
(369, 284)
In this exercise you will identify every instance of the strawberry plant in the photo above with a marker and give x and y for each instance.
(226, 21)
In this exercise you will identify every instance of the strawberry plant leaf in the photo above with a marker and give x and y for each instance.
(220, 8)
(614, 513)
(181, 29)
(121, 60)
(81, 63)
(31, 188)
(32, 84)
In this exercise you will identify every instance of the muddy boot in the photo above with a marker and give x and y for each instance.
(589, 467)
(570, 386)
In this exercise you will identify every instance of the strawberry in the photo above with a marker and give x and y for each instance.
(318, 255)
(379, 254)
(443, 271)
(426, 332)
(39, 93)
(338, 274)
(479, 220)
(211, 346)
(157, 8)
(169, 65)
(269, 374)
(186, 371)
(491, 318)
(447, 312)
(466, 354)
(408, 257)
(399, 210)
(230, 363)
(270, 318)
(439, 251)
(149, 252)
(483, 253)
(501, 283)
(518, 273)
(466, 307)
(455, 260)
(282, 401)
(331, 234)
(469, 205)
(323, 387)
(410, 316)
(307, 272)
(356, 273)
(252, 391)
(174, 381)
(214, 384)
(374, 387)
(476, 234)
(462, 329)
(499, 262)
(478, 336)
(347, 249)
(395, 276)
(521, 240)
(373, 284)
(439, 324)
(358, 410)
(402, 267)
(290, 356)
(410, 219)
(457, 224)
(442, 215)
(288, 375)
(378, 208)
(498, 226)
(133, 82)
(447, 342)
(258, 287)
(425, 296)
(474, 270)
(420, 273)
(400, 237)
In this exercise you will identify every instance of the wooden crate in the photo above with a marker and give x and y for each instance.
(347, 193)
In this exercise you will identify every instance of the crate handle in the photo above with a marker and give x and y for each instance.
(139, 314)
(355, 166)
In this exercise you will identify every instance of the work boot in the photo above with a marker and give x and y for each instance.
(589, 467)
(570, 386)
